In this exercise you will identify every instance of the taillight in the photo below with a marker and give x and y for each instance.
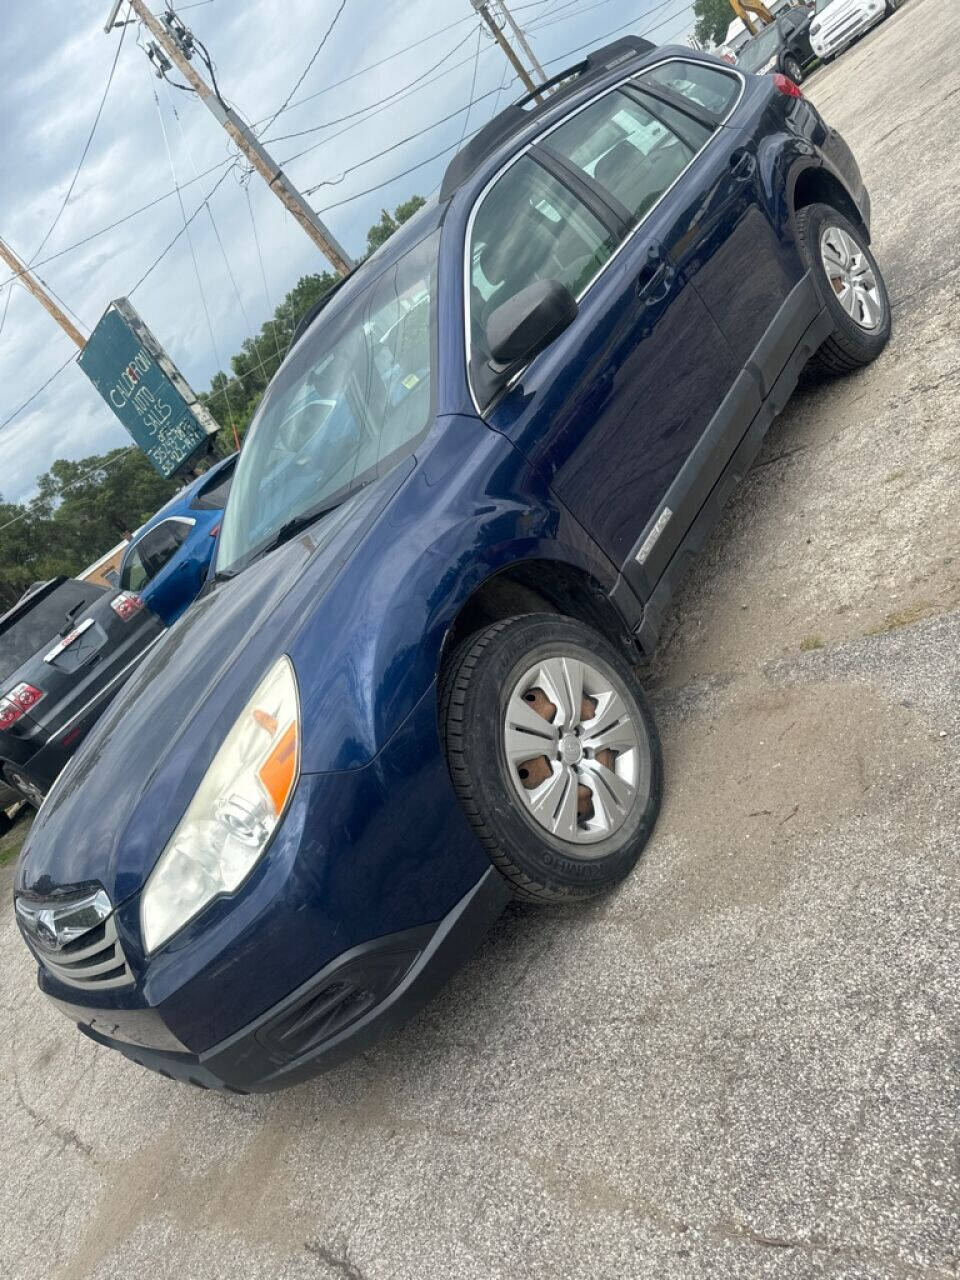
(17, 703)
(786, 85)
(126, 605)
(214, 531)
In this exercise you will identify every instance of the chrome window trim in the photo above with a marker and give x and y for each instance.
(171, 520)
(634, 76)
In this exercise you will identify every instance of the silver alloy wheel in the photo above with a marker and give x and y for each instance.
(577, 754)
(851, 277)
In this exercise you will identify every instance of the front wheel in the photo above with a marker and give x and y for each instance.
(792, 68)
(850, 284)
(554, 754)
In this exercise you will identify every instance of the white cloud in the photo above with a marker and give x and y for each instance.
(48, 94)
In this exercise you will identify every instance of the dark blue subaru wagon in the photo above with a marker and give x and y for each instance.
(408, 689)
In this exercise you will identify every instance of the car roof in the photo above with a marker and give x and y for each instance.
(514, 120)
(180, 502)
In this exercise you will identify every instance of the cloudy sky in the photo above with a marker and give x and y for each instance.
(55, 63)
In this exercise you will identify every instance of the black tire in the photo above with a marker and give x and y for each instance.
(792, 68)
(849, 346)
(6, 822)
(475, 688)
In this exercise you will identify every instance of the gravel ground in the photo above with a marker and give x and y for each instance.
(745, 1063)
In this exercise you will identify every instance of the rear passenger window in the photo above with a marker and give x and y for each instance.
(706, 86)
(635, 152)
(154, 550)
(530, 227)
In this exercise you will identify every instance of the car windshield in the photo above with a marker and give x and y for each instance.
(349, 402)
(821, 5)
(760, 49)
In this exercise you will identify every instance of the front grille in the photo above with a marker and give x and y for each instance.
(94, 962)
(843, 28)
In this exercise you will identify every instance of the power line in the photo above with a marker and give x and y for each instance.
(193, 252)
(590, 44)
(216, 232)
(388, 101)
(39, 391)
(373, 65)
(335, 182)
(86, 148)
(163, 253)
(397, 176)
(413, 168)
(316, 53)
(102, 466)
(473, 88)
(553, 16)
(111, 226)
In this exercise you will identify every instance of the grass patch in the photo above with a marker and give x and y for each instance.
(810, 642)
(12, 842)
(903, 618)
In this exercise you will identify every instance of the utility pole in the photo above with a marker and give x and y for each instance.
(522, 40)
(483, 8)
(171, 40)
(36, 288)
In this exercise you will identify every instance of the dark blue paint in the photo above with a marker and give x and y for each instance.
(567, 468)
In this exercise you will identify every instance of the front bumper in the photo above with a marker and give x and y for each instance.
(364, 994)
(833, 39)
(377, 856)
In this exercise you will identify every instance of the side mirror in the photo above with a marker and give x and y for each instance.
(523, 326)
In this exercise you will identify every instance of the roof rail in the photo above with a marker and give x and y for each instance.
(515, 117)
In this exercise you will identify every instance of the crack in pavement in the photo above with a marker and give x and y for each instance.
(336, 1259)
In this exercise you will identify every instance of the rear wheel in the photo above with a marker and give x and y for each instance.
(851, 285)
(554, 754)
(29, 790)
(792, 68)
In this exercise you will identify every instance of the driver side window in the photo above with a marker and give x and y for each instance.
(530, 227)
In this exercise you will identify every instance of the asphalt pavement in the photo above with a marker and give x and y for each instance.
(743, 1064)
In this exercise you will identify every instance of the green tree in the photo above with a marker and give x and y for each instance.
(381, 231)
(713, 17)
(81, 509)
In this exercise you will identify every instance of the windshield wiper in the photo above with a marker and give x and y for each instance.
(289, 529)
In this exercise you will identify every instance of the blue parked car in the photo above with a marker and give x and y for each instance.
(410, 691)
(168, 558)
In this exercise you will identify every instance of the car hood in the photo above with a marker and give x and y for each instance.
(837, 10)
(110, 813)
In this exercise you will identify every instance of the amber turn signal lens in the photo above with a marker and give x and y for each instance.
(278, 771)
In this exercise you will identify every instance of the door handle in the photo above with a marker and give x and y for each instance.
(742, 165)
(656, 279)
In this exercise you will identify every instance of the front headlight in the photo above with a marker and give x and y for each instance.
(235, 811)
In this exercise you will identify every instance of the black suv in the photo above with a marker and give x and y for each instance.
(783, 46)
(65, 650)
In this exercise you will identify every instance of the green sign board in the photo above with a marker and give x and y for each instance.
(145, 390)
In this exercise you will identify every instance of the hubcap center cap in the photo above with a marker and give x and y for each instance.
(570, 749)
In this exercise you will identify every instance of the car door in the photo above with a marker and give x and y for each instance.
(610, 411)
(736, 248)
(795, 25)
(167, 579)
